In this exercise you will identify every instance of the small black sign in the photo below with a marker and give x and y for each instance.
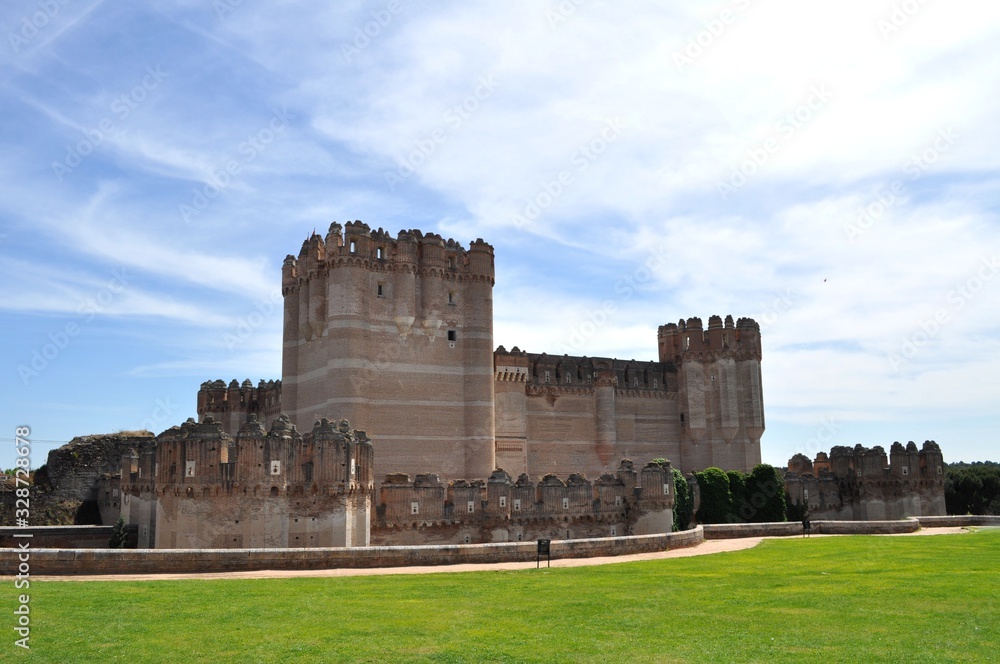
(543, 550)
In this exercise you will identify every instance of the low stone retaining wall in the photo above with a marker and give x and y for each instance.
(958, 521)
(180, 561)
(910, 525)
(738, 530)
(790, 528)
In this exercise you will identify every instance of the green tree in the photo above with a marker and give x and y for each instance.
(765, 493)
(119, 536)
(716, 502)
(738, 492)
(683, 501)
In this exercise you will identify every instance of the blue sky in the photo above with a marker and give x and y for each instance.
(828, 169)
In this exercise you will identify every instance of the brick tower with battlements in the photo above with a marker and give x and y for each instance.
(395, 334)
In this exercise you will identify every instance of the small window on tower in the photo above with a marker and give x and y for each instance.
(380, 253)
(452, 335)
(381, 290)
(354, 247)
(451, 297)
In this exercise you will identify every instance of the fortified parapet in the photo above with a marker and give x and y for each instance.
(231, 405)
(274, 488)
(720, 390)
(501, 510)
(863, 483)
(372, 321)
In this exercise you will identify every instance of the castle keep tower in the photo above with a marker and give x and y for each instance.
(720, 394)
(396, 335)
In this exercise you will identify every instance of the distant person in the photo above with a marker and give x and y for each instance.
(806, 526)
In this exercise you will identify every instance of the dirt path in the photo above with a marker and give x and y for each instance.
(705, 548)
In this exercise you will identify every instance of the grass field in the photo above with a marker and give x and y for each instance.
(829, 599)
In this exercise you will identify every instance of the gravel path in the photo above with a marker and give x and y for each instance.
(705, 548)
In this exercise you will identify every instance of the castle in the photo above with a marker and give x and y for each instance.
(396, 336)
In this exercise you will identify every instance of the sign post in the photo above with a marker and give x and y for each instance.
(543, 549)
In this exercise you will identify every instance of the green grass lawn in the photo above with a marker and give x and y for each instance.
(829, 599)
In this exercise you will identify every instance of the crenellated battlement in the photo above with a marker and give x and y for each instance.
(867, 484)
(688, 339)
(355, 244)
(231, 404)
(504, 509)
(569, 371)
(203, 488)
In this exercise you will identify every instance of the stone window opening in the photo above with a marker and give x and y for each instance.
(381, 290)
(682, 418)
(452, 335)
(380, 253)
(451, 297)
(354, 247)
